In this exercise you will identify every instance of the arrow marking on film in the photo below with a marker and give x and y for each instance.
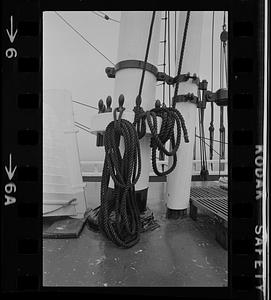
(9, 171)
(11, 35)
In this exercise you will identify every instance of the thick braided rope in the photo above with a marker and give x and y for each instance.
(119, 217)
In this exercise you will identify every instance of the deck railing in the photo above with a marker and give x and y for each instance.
(94, 168)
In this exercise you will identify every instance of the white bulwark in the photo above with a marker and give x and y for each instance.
(63, 187)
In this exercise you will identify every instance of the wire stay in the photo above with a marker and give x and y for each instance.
(75, 30)
(105, 17)
(85, 104)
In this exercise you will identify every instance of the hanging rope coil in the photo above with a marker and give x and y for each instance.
(119, 217)
(170, 116)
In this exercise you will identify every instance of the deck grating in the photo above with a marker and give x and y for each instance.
(213, 199)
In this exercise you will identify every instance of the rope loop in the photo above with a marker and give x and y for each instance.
(170, 117)
(119, 217)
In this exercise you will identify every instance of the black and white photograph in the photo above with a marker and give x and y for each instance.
(135, 148)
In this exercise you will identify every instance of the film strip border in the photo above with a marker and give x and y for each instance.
(21, 163)
(21, 144)
(246, 87)
(246, 134)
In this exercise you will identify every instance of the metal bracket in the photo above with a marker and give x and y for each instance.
(161, 76)
(185, 77)
(186, 98)
(110, 72)
(203, 85)
(132, 63)
(220, 97)
(139, 64)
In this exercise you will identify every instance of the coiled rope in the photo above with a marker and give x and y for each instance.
(169, 115)
(119, 217)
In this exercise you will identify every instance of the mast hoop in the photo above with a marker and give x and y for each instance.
(130, 64)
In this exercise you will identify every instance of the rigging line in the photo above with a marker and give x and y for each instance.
(66, 22)
(80, 124)
(182, 52)
(212, 55)
(212, 70)
(219, 160)
(175, 35)
(85, 104)
(225, 44)
(168, 34)
(201, 144)
(221, 108)
(62, 206)
(82, 128)
(208, 146)
(97, 14)
(194, 148)
(211, 128)
(164, 64)
(146, 54)
(226, 64)
(107, 17)
(225, 47)
(224, 20)
(221, 66)
(222, 129)
(205, 138)
(201, 133)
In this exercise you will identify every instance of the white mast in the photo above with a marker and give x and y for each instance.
(179, 181)
(133, 37)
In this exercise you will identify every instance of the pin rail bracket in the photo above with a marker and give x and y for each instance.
(220, 97)
(189, 97)
(128, 64)
(160, 76)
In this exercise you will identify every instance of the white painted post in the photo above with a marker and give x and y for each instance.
(133, 37)
(179, 181)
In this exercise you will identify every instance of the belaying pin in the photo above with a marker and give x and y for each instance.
(108, 104)
(138, 100)
(121, 101)
(101, 106)
(157, 103)
(204, 84)
(100, 136)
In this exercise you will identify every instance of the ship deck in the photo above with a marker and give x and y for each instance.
(179, 253)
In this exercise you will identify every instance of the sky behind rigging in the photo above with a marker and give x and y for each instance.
(70, 63)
